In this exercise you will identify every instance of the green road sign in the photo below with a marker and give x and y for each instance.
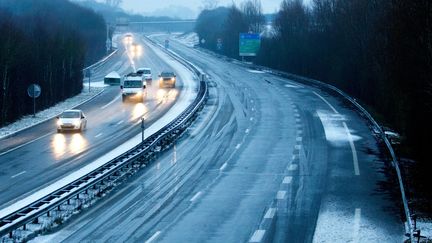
(249, 44)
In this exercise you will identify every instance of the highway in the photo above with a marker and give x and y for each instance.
(267, 160)
(37, 157)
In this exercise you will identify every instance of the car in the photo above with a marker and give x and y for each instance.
(146, 73)
(167, 78)
(71, 120)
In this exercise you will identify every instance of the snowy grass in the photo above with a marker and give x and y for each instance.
(188, 39)
(49, 113)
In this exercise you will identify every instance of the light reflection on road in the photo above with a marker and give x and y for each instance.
(138, 111)
(68, 143)
(165, 95)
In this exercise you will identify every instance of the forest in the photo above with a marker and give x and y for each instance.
(47, 43)
(379, 52)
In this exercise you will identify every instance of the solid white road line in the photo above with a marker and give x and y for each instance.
(120, 122)
(196, 196)
(280, 195)
(110, 103)
(155, 235)
(357, 218)
(353, 150)
(287, 180)
(322, 98)
(100, 134)
(22, 145)
(257, 236)
(270, 213)
(22, 172)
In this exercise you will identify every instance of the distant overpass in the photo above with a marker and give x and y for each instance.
(169, 25)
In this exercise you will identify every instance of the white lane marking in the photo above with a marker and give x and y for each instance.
(120, 122)
(223, 166)
(22, 145)
(251, 118)
(238, 146)
(22, 172)
(287, 180)
(257, 236)
(270, 213)
(299, 139)
(247, 131)
(100, 134)
(299, 132)
(353, 150)
(196, 196)
(154, 236)
(293, 167)
(109, 103)
(298, 120)
(357, 217)
(322, 98)
(297, 115)
(280, 195)
(297, 147)
(294, 157)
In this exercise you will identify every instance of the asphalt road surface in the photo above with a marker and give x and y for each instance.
(36, 157)
(268, 160)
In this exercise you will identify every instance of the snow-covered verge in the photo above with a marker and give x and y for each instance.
(190, 39)
(49, 113)
(425, 227)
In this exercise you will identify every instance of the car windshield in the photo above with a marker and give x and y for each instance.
(132, 84)
(70, 114)
(146, 72)
(167, 74)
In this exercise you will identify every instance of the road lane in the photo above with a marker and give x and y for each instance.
(264, 143)
(54, 155)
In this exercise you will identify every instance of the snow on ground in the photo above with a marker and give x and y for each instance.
(186, 97)
(425, 227)
(49, 113)
(189, 39)
(334, 131)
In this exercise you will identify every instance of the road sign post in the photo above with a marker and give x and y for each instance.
(88, 74)
(249, 44)
(34, 92)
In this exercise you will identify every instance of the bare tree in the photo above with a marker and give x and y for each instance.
(209, 4)
(253, 13)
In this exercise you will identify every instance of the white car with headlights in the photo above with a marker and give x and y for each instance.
(133, 87)
(167, 79)
(71, 120)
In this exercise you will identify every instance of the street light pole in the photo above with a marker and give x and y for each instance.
(142, 129)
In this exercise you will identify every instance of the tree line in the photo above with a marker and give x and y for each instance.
(380, 52)
(47, 43)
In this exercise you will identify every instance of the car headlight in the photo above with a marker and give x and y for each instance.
(59, 123)
(76, 123)
(172, 79)
(139, 93)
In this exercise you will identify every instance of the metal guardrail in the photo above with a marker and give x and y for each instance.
(100, 62)
(366, 114)
(27, 221)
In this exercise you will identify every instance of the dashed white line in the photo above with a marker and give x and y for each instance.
(270, 213)
(353, 150)
(100, 134)
(120, 122)
(299, 139)
(287, 180)
(223, 166)
(280, 195)
(238, 146)
(357, 217)
(299, 132)
(155, 235)
(247, 131)
(196, 196)
(114, 100)
(293, 167)
(257, 236)
(16, 175)
(297, 147)
(298, 120)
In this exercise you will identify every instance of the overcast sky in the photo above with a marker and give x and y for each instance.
(149, 6)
